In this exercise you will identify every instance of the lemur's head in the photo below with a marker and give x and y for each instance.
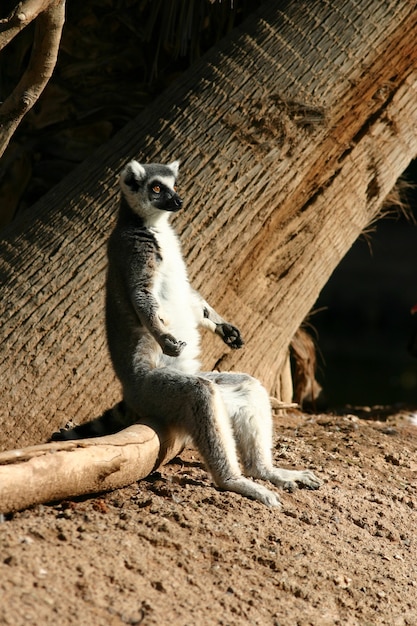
(150, 189)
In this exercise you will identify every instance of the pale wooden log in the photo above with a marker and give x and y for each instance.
(290, 135)
(59, 470)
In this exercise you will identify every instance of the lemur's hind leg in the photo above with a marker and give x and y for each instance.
(192, 404)
(249, 408)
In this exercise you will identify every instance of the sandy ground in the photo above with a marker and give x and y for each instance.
(175, 550)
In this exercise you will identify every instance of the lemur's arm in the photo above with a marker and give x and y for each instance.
(147, 310)
(139, 277)
(214, 322)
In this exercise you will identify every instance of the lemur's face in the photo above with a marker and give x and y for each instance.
(162, 194)
(150, 189)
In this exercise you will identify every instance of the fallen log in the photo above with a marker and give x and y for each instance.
(65, 469)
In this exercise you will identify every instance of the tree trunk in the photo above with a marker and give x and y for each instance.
(290, 134)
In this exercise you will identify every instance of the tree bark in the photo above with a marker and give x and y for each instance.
(290, 133)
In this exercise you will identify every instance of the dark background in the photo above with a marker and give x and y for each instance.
(362, 317)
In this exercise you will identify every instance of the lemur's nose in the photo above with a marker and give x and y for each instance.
(178, 201)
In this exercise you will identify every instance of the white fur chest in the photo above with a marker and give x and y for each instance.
(173, 292)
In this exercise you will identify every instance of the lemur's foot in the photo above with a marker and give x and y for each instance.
(171, 346)
(290, 479)
(230, 335)
(250, 489)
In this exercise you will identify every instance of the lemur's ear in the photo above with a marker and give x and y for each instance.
(174, 167)
(132, 175)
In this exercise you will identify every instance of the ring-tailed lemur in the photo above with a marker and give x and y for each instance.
(152, 318)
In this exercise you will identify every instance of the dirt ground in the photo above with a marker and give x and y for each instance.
(174, 550)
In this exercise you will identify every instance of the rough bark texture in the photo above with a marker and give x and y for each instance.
(290, 136)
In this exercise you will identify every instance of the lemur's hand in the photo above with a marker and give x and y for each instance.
(230, 335)
(171, 346)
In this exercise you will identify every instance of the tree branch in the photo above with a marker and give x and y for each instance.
(50, 16)
(21, 16)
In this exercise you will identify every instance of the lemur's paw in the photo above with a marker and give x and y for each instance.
(289, 480)
(269, 499)
(250, 489)
(231, 336)
(303, 478)
(289, 486)
(309, 480)
(171, 346)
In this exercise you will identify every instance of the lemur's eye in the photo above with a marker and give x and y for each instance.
(156, 189)
(175, 187)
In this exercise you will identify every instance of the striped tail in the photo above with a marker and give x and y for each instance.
(113, 420)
